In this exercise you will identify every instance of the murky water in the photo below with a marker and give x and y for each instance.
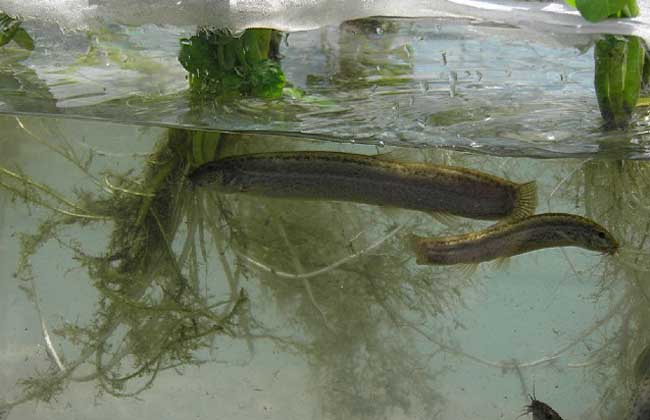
(125, 292)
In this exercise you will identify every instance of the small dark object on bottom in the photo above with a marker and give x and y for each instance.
(541, 410)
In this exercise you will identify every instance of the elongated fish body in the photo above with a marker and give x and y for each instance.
(371, 180)
(514, 237)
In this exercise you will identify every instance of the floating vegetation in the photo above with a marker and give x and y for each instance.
(618, 77)
(10, 30)
(222, 65)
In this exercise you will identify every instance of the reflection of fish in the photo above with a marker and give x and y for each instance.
(540, 410)
(370, 180)
(514, 237)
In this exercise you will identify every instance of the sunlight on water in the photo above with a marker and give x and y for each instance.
(120, 280)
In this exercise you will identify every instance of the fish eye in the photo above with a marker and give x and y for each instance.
(601, 235)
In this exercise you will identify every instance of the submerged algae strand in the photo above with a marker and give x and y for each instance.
(370, 180)
(514, 237)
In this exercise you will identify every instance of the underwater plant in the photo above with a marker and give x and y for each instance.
(151, 315)
(620, 63)
(221, 64)
(598, 10)
(10, 30)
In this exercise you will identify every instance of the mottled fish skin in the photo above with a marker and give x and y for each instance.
(541, 410)
(515, 237)
(370, 180)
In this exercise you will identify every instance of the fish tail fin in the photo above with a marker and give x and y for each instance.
(415, 244)
(446, 219)
(526, 200)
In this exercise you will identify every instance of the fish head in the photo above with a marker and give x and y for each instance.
(599, 239)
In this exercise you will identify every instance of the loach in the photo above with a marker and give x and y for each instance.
(435, 189)
(514, 237)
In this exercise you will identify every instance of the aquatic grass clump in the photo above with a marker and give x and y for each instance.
(222, 65)
(152, 314)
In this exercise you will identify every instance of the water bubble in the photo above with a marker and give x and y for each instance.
(550, 137)
(379, 30)
(381, 143)
(186, 41)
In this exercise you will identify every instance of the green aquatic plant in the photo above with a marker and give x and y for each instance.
(619, 69)
(620, 61)
(598, 10)
(152, 314)
(221, 64)
(10, 30)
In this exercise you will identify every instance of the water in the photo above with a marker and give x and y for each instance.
(124, 291)
(458, 83)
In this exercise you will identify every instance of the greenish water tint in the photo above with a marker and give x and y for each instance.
(119, 281)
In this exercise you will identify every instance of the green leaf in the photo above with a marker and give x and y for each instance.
(22, 38)
(8, 28)
(633, 73)
(571, 3)
(633, 8)
(597, 10)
